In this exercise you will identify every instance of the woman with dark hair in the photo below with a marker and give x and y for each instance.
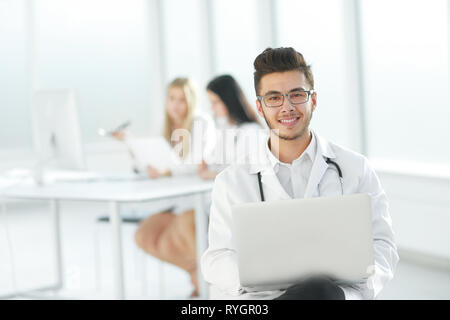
(231, 111)
(162, 231)
(234, 106)
(169, 237)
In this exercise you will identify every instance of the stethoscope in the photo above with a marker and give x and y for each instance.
(327, 160)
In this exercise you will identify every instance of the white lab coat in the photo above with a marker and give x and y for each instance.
(239, 184)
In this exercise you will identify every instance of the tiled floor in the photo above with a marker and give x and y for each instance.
(31, 235)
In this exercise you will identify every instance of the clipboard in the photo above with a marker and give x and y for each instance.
(153, 151)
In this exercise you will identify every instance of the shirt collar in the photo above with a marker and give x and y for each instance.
(322, 148)
(310, 152)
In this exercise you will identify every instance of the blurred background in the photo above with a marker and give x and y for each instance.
(381, 71)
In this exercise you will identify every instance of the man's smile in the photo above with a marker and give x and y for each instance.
(289, 121)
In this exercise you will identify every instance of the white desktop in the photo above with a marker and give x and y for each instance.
(56, 132)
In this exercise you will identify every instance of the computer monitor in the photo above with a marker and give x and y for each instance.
(56, 130)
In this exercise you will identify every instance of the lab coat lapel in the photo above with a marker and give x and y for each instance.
(318, 170)
(319, 167)
(273, 190)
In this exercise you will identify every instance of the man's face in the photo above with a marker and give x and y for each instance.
(288, 121)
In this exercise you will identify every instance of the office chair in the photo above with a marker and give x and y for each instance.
(132, 218)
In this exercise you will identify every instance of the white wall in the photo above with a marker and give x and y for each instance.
(420, 210)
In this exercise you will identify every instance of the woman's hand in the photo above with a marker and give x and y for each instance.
(202, 167)
(154, 173)
(204, 172)
(119, 135)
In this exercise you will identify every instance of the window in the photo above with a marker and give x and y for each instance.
(315, 29)
(15, 121)
(99, 48)
(236, 41)
(186, 44)
(405, 51)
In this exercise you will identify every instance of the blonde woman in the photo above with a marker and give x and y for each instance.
(167, 235)
(172, 238)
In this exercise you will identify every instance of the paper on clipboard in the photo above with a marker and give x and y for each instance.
(153, 151)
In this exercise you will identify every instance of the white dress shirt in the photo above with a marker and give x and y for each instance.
(294, 177)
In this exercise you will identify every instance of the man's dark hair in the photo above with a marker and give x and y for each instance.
(280, 60)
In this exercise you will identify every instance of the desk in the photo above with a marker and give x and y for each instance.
(116, 193)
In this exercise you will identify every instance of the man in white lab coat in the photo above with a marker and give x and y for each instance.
(295, 162)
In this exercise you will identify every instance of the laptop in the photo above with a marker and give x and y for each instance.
(279, 243)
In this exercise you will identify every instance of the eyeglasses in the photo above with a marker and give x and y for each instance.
(275, 100)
